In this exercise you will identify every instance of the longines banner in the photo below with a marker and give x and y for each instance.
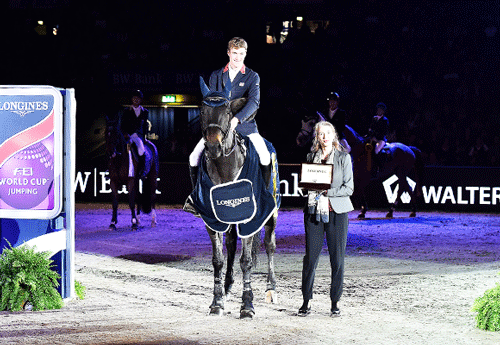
(30, 152)
(462, 189)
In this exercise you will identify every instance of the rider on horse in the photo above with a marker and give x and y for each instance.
(244, 83)
(377, 132)
(134, 125)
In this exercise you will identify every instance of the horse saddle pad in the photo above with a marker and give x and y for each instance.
(233, 202)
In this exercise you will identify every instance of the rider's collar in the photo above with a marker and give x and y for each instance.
(242, 70)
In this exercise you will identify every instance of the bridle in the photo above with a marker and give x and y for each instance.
(220, 101)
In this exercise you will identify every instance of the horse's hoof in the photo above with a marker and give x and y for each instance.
(271, 296)
(247, 313)
(216, 311)
(413, 214)
(389, 215)
(153, 224)
(135, 227)
(112, 227)
(361, 216)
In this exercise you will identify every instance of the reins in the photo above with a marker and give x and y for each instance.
(211, 101)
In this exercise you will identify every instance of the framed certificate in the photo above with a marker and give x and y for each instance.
(316, 176)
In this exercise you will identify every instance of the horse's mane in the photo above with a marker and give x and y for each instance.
(112, 126)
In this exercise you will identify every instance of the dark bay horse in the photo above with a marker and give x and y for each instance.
(224, 158)
(123, 170)
(402, 161)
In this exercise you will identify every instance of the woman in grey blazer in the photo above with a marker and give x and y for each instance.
(326, 213)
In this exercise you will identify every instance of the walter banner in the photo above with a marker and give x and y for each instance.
(30, 152)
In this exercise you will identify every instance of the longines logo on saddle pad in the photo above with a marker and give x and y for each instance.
(234, 202)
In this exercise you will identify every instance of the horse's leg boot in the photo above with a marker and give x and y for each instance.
(266, 173)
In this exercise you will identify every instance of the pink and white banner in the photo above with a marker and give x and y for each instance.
(30, 152)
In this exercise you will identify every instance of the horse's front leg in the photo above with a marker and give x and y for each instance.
(217, 306)
(231, 243)
(270, 244)
(131, 188)
(246, 310)
(114, 201)
(154, 222)
(403, 187)
(364, 205)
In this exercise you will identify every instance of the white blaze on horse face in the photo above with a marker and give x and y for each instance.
(236, 57)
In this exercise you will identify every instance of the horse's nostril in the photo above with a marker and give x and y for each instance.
(213, 135)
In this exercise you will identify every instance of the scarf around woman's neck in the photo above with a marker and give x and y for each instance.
(317, 202)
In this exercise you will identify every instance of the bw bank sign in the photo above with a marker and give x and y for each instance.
(443, 188)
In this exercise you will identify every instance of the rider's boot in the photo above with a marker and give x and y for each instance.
(193, 174)
(266, 173)
(188, 205)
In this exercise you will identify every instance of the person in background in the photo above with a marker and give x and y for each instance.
(377, 133)
(337, 118)
(134, 125)
(326, 214)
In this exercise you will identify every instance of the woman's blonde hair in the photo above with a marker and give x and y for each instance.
(316, 146)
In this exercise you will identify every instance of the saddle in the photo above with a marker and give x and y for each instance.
(246, 202)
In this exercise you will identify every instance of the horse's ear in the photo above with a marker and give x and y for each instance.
(204, 88)
(227, 89)
(320, 116)
(238, 104)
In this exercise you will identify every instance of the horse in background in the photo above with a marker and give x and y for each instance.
(123, 167)
(402, 161)
(223, 163)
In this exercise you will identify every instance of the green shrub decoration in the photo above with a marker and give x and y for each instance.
(80, 290)
(26, 277)
(488, 309)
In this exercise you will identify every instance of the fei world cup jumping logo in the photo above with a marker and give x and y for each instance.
(30, 152)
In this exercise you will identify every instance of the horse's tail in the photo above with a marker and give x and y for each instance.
(419, 169)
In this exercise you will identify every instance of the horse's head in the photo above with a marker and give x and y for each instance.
(305, 135)
(114, 139)
(215, 115)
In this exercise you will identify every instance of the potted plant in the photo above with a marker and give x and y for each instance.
(488, 310)
(27, 280)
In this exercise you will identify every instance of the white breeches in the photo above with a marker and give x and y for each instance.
(257, 141)
(260, 146)
(194, 157)
(138, 142)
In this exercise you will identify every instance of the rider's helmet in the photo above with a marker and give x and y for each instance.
(381, 106)
(332, 96)
(137, 93)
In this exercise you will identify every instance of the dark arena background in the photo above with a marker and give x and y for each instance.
(435, 64)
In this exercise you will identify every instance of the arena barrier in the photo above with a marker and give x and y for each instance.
(453, 189)
(37, 169)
